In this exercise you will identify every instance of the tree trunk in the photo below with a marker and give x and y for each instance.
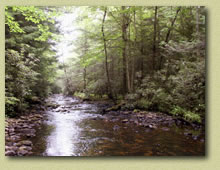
(84, 69)
(155, 37)
(142, 47)
(158, 35)
(110, 94)
(197, 29)
(172, 24)
(84, 79)
(168, 33)
(133, 57)
(126, 78)
(67, 79)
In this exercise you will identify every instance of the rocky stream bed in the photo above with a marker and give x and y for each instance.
(66, 126)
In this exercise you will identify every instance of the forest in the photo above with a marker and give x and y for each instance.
(139, 59)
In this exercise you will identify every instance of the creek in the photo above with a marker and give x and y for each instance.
(78, 129)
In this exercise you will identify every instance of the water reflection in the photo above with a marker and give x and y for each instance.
(62, 141)
(78, 131)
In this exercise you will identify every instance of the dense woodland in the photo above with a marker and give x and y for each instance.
(150, 58)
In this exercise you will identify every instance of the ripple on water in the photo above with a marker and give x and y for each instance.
(79, 131)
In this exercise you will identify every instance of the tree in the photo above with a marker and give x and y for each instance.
(143, 53)
(30, 62)
(110, 94)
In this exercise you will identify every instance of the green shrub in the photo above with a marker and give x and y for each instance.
(177, 111)
(11, 106)
(143, 104)
(128, 106)
(192, 117)
(162, 101)
(186, 115)
(132, 97)
(80, 95)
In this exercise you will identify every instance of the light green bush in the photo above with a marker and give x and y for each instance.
(185, 114)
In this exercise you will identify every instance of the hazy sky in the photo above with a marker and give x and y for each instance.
(69, 34)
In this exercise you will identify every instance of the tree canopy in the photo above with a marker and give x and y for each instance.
(30, 61)
(152, 57)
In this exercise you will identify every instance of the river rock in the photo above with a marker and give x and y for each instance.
(152, 126)
(22, 152)
(10, 153)
(165, 128)
(145, 125)
(28, 148)
(11, 130)
(116, 127)
(12, 138)
(25, 142)
(140, 116)
(28, 131)
(195, 137)
(136, 122)
(126, 112)
(124, 121)
(39, 116)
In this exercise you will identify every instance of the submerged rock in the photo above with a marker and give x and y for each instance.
(116, 127)
(165, 128)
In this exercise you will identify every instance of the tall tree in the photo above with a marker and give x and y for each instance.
(124, 25)
(110, 94)
(154, 39)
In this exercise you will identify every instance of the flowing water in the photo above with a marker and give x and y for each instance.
(76, 129)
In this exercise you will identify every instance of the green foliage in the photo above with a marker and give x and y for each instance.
(178, 75)
(31, 14)
(80, 95)
(162, 100)
(30, 62)
(11, 106)
(185, 88)
(143, 104)
(153, 63)
(55, 89)
(13, 25)
(187, 115)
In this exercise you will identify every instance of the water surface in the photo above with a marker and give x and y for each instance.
(76, 129)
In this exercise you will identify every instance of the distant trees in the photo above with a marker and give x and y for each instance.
(144, 53)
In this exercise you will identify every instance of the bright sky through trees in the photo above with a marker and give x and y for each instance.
(69, 33)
